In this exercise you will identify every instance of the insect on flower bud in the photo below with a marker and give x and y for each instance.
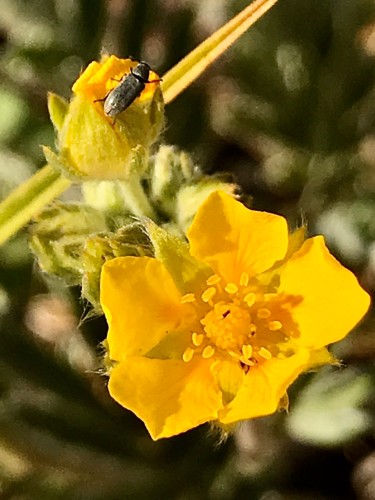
(93, 146)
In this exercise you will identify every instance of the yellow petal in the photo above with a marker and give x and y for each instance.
(172, 346)
(232, 239)
(141, 304)
(169, 396)
(295, 241)
(264, 386)
(101, 77)
(332, 300)
(321, 357)
(230, 378)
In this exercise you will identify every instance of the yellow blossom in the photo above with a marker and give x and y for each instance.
(218, 330)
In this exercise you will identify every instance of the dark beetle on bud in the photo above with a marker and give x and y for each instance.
(129, 88)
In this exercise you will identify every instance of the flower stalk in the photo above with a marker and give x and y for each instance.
(195, 63)
(28, 199)
(135, 196)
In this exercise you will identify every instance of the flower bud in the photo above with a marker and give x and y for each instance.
(131, 239)
(92, 145)
(178, 187)
(58, 235)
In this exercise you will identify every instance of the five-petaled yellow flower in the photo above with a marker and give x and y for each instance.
(220, 333)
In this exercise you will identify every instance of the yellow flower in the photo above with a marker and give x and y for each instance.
(94, 146)
(220, 333)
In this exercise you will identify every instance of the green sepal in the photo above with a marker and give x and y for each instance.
(138, 163)
(188, 273)
(57, 108)
(91, 144)
(58, 235)
(98, 249)
(59, 163)
(169, 170)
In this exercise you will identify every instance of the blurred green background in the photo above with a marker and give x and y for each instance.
(289, 111)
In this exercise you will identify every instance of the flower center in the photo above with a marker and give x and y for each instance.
(240, 322)
(227, 325)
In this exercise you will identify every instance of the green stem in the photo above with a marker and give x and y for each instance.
(135, 197)
(28, 199)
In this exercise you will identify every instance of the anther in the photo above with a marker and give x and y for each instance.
(244, 280)
(189, 297)
(231, 288)
(275, 325)
(269, 296)
(263, 313)
(246, 361)
(265, 353)
(247, 351)
(197, 339)
(249, 299)
(188, 354)
(208, 294)
(208, 352)
(213, 280)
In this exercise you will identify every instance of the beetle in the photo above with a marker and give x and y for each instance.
(129, 88)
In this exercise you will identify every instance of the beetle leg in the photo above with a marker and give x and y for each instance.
(104, 98)
(155, 81)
